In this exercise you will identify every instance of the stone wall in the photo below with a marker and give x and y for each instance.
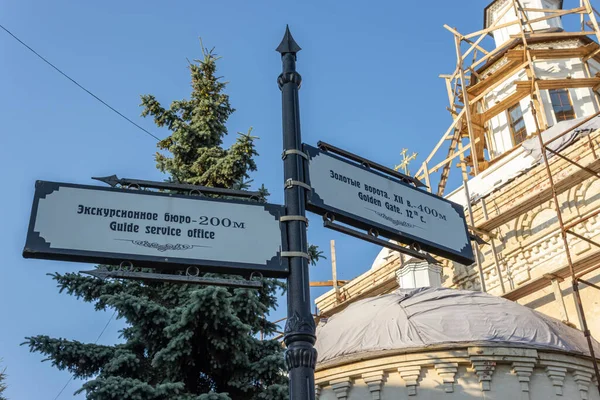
(469, 373)
(530, 248)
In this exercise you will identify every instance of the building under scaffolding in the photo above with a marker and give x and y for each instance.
(525, 143)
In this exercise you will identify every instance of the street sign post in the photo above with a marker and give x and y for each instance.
(155, 230)
(367, 199)
(299, 337)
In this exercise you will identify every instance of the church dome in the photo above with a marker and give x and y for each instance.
(434, 318)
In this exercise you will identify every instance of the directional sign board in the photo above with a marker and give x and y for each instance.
(149, 229)
(363, 198)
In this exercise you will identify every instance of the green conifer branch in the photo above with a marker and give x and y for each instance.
(3, 383)
(83, 360)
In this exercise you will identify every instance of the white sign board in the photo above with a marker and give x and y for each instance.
(368, 199)
(104, 225)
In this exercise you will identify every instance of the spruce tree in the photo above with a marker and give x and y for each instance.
(2, 383)
(182, 342)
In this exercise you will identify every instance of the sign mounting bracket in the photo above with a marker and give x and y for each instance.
(291, 183)
(376, 240)
(129, 183)
(104, 273)
(294, 151)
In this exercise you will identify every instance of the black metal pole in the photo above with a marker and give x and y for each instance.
(300, 355)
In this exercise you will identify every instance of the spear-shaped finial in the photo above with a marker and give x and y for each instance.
(101, 273)
(288, 44)
(112, 180)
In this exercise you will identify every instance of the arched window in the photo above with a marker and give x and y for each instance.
(561, 104)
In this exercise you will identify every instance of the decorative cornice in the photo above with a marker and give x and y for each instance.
(556, 44)
(523, 370)
(374, 381)
(447, 371)
(526, 257)
(583, 380)
(494, 67)
(484, 369)
(482, 361)
(410, 375)
(341, 387)
(557, 376)
(493, 9)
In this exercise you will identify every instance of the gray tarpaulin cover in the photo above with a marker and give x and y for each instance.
(532, 145)
(420, 318)
(498, 175)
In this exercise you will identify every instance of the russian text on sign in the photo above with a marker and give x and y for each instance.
(106, 225)
(367, 199)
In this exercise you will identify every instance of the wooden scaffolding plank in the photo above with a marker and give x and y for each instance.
(332, 283)
(510, 101)
(577, 52)
(370, 283)
(554, 35)
(565, 83)
(446, 171)
(495, 78)
(468, 108)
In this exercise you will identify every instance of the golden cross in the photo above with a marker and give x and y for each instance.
(405, 161)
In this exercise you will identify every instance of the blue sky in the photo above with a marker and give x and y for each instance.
(370, 86)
